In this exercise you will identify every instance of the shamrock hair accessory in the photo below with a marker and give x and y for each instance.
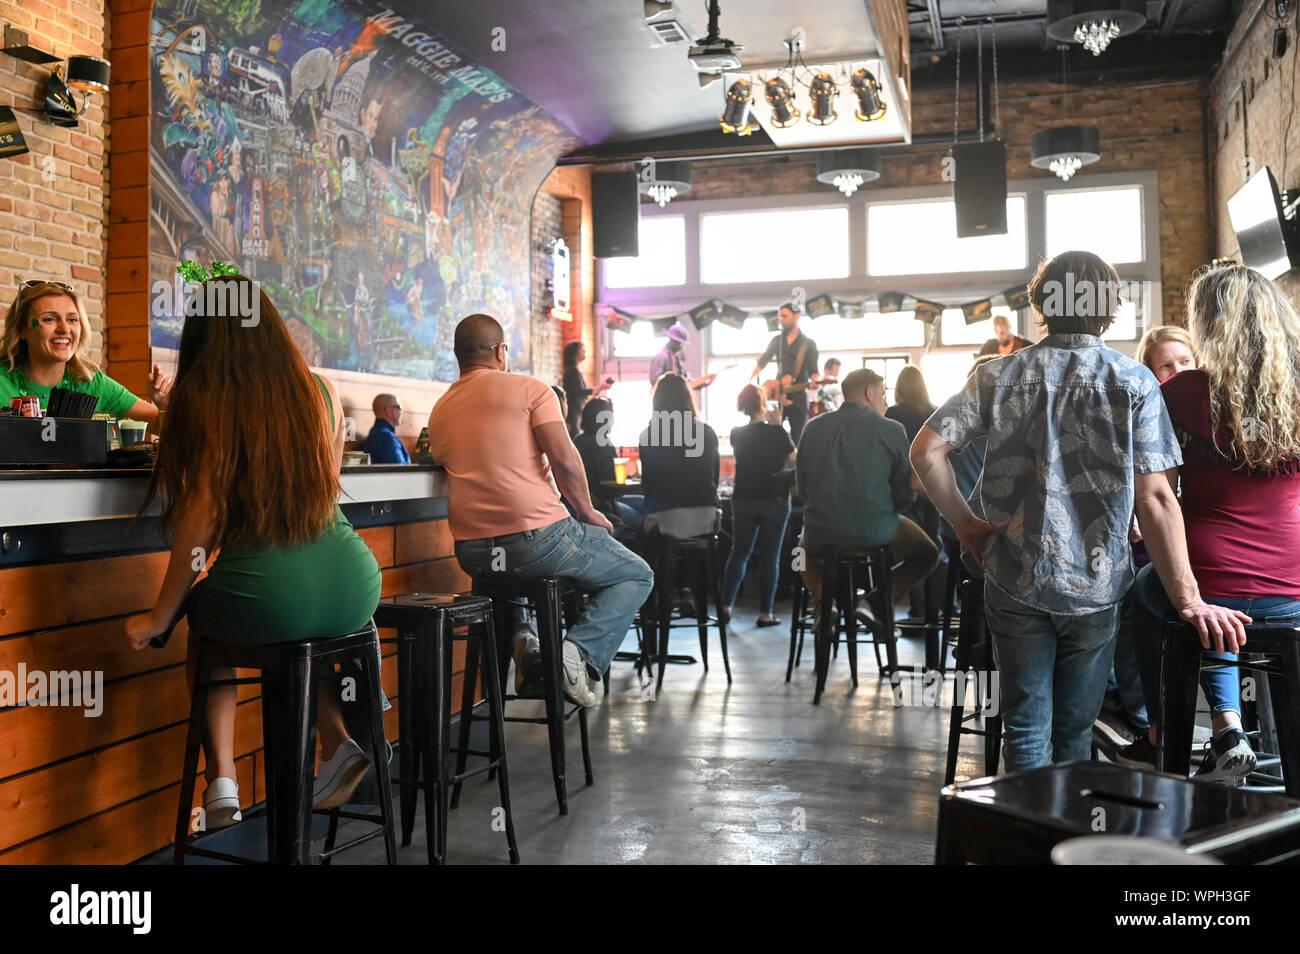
(195, 273)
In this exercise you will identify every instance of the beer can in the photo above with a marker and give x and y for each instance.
(15, 405)
(30, 407)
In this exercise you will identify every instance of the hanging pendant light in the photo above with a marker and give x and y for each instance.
(670, 180)
(822, 90)
(781, 98)
(1065, 149)
(847, 169)
(1093, 24)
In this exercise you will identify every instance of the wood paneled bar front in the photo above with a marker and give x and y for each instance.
(97, 782)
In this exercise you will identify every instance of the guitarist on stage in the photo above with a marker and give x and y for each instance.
(796, 357)
(669, 360)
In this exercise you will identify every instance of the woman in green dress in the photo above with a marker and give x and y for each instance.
(43, 346)
(249, 464)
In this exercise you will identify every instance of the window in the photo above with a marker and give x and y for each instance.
(639, 341)
(1106, 222)
(661, 260)
(953, 329)
(751, 339)
(915, 238)
(887, 366)
(719, 399)
(790, 245)
(896, 330)
(945, 373)
(631, 411)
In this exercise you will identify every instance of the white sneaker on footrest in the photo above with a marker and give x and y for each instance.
(339, 776)
(577, 685)
(221, 804)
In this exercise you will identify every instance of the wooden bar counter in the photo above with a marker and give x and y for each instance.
(77, 788)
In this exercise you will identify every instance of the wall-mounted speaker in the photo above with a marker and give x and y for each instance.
(979, 188)
(615, 214)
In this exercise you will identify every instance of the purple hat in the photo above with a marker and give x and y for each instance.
(678, 333)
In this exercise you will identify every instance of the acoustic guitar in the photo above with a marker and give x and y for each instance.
(777, 388)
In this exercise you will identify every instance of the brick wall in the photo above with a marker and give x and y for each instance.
(1252, 97)
(548, 333)
(54, 199)
(1156, 126)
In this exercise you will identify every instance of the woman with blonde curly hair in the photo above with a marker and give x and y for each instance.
(1238, 419)
(43, 346)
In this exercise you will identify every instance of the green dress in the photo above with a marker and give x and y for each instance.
(260, 595)
(113, 398)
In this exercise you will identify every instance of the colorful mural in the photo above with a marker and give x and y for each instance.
(375, 182)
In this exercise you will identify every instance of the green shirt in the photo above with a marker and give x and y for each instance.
(113, 398)
(854, 476)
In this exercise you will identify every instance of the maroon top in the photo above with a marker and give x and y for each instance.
(1243, 526)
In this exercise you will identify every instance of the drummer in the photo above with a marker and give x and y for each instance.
(42, 347)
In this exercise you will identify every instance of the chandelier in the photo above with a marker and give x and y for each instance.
(1064, 150)
(663, 180)
(1095, 35)
(847, 169)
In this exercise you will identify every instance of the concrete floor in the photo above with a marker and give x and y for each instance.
(711, 774)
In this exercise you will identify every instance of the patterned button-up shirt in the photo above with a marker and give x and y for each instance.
(1069, 422)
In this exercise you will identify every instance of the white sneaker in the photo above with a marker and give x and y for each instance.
(221, 804)
(339, 776)
(577, 685)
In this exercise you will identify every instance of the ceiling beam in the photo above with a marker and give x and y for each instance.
(1172, 11)
(936, 25)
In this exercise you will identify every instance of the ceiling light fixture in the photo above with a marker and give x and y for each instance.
(823, 92)
(1065, 149)
(867, 90)
(1093, 24)
(667, 180)
(847, 169)
(735, 112)
(781, 98)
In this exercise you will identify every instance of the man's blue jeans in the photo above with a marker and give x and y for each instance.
(617, 578)
(1152, 609)
(1052, 672)
(761, 520)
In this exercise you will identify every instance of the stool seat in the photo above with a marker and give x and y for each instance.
(290, 672)
(1020, 818)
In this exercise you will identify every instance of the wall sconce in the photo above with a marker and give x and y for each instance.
(86, 75)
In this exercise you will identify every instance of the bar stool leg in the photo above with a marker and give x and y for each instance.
(714, 568)
(702, 588)
(848, 606)
(666, 579)
(1285, 693)
(437, 671)
(885, 606)
(796, 627)
(958, 714)
(496, 729)
(1180, 668)
(289, 696)
(407, 744)
(190, 768)
(470, 679)
(551, 637)
(827, 625)
(379, 748)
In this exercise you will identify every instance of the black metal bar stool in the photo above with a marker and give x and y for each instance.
(932, 626)
(290, 673)
(801, 620)
(953, 578)
(974, 656)
(1019, 818)
(1182, 661)
(845, 571)
(427, 626)
(701, 553)
(546, 595)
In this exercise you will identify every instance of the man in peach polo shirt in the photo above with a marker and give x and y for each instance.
(502, 439)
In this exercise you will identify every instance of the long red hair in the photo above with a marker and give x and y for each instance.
(247, 417)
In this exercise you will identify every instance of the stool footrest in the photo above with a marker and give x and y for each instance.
(221, 855)
(360, 839)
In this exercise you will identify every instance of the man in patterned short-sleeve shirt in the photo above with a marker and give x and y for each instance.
(1077, 433)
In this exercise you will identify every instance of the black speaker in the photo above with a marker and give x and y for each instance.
(979, 187)
(615, 214)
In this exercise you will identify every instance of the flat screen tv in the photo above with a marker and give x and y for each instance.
(1266, 239)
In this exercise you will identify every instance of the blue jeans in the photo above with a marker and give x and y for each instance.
(1052, 672)
(1152, 609)
(762, 520)
(618, 579)
(1126, 677)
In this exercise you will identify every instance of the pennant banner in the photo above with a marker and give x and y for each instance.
(617, 319)
(12, 142)
(928, 311)
(977, 311)
(1017, 297)
(820, 305)
(889, 302)
(661, 325)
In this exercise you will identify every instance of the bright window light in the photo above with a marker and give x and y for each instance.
(894, 330)
(945, 373)
(751, 339)
(631, 411)
(662, 257)
(790, 245)
(953, 329)
(1106, 222)
(639, 341)
(920, 238)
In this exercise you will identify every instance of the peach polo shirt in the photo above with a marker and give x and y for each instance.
(481, 431)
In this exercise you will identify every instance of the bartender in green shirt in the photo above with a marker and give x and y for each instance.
(45, 333)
